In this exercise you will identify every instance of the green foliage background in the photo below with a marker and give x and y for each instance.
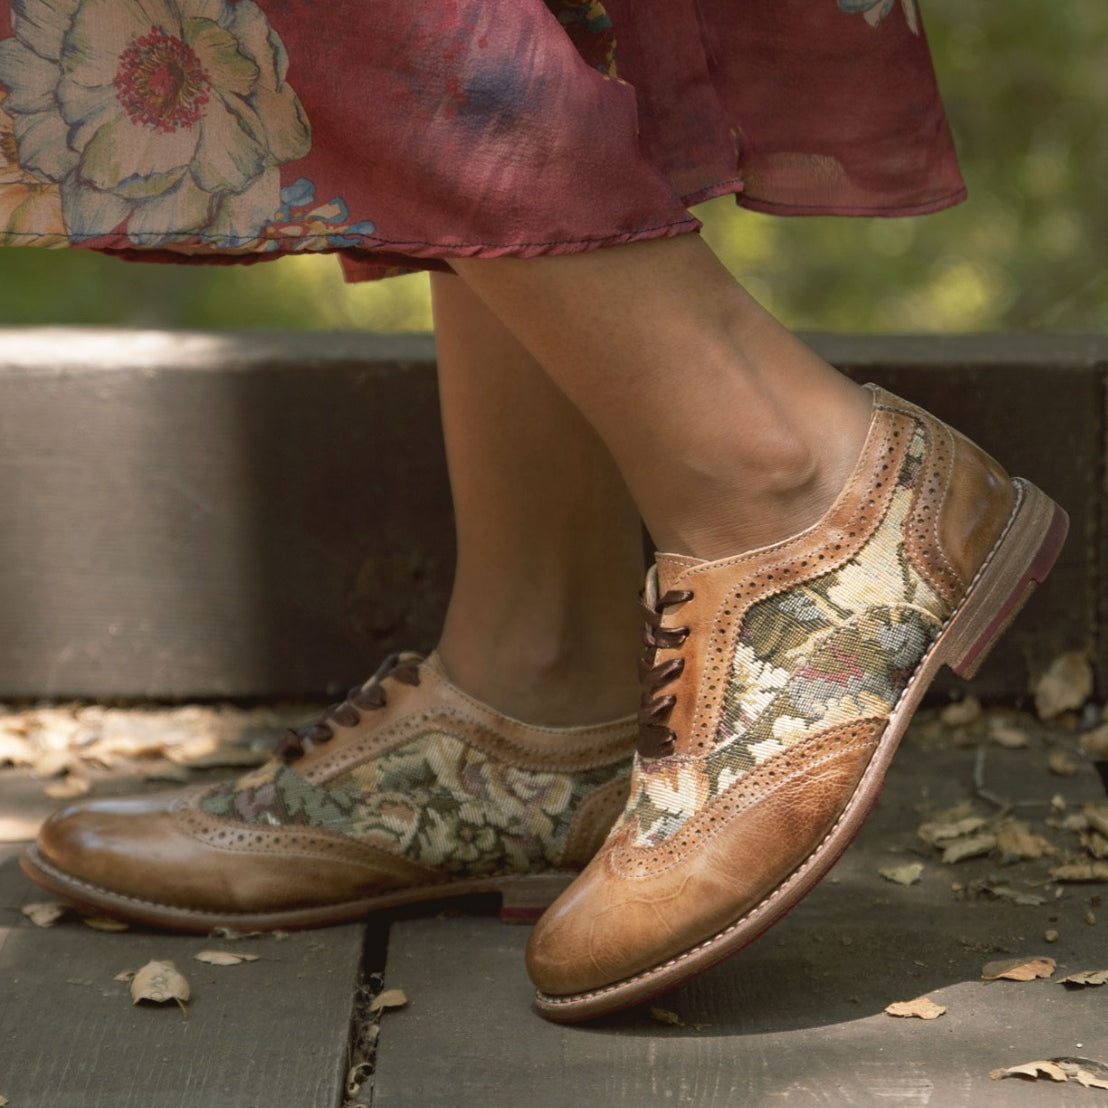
(1026, 87)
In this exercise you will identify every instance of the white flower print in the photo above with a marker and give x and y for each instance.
(165, 120)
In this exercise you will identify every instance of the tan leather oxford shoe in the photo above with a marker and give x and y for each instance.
(410, 790)
(777, 686)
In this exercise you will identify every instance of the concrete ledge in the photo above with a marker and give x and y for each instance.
(240, 515)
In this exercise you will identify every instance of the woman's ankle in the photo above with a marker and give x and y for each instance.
(544, 683)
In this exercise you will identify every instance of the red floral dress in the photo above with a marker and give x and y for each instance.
(399, 133)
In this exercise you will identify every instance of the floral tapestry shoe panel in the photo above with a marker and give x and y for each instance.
(777, 685)
(410, 790)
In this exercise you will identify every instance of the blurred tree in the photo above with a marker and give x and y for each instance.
(1026, 86)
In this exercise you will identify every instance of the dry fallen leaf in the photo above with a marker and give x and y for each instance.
(665, 1015)
(124, 975)
(390, 998)
(1095, 843)
(907, 874)
(1051, 936)
(70, 786)
(1086, 1072)
(1096, 817)
(1085, 978)
(53, 763)
(1063, 764)
(938, 832)
(1066, 684)
(1007, 736)
(224, 958)
(1014, 837)
(3, 1101)
(1018, 969)
(16, 751)
(961, 712)
(1001, 890)
(105, 923)
(1034, 1070)
(1081, 871)
(972, 847)
(45, 913)
(1095, 742)
(160, 982)
(922, 1007)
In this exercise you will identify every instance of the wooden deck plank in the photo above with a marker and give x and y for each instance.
(270, 1034)
(797, 1018)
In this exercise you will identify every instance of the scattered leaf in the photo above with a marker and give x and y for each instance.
(1081, 871)
(1007, 736)
(45, 913)
(105, 923)
(922, 1007)
(1072, 821)
(125, 975)
(160, 982)
(53, 763)
(1001, 890)
(664, 1015)
(70, 786)
(1050, 936)
(961, 712)
(938, 832)
(971, 847)
(1016, 839)
(390, 998)
(3, 1101)
(907, 874)
(1095, 742)
(1018, 969)
(1085, 978)
(1066, 685)
(1095, 843)
(1086, 1072)
(1034, 1070)
(16, 751)
(224, 958)
(1062, 763)
(1096, 817)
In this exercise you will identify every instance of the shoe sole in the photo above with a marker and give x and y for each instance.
(1024, 554)
(523, 898)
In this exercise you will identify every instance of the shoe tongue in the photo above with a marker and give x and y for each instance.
(670, 567)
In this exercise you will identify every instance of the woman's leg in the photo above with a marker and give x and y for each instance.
(729, 432)
(542, 623)
(831, 548)
(426, 783)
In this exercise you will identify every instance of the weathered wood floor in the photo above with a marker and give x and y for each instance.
(796, 1020)
(268, 1034)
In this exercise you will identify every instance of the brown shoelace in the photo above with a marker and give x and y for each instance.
(348, 712)
(656, 738)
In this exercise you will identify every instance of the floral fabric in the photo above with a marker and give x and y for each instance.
(836, 648)
(434, 800)
(400, 134)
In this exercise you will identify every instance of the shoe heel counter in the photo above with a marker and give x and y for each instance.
(976, 509)
(964, 499)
